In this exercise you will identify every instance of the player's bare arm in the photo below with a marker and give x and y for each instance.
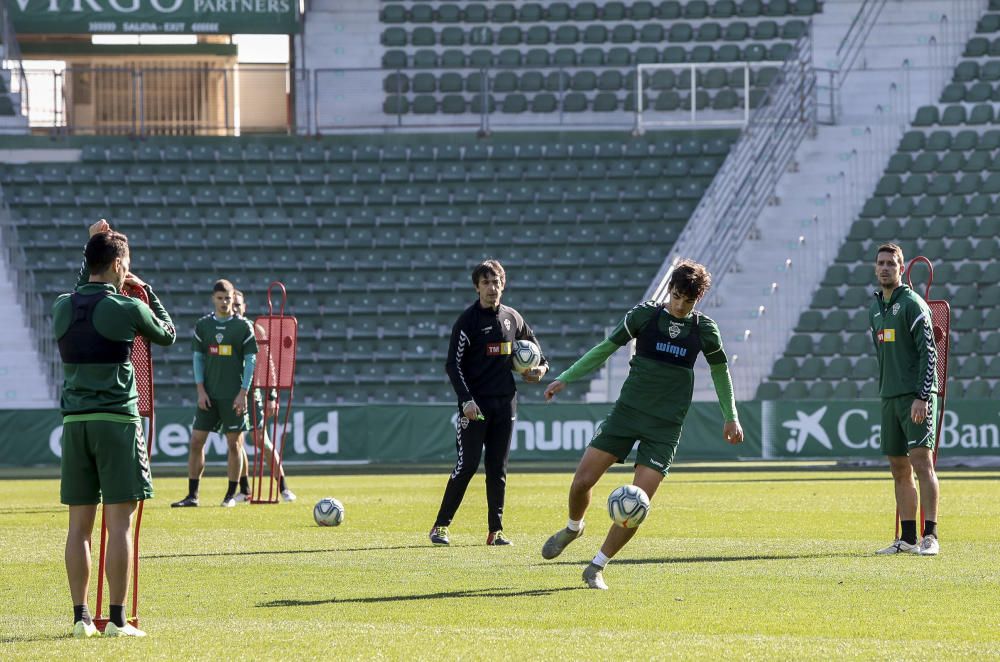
(553, 388)
(732, 432)
(918, 410)
(534, 375)
(203, 400)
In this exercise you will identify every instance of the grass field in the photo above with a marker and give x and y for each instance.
(735, 565)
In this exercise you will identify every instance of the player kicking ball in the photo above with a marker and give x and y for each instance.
(653, 403)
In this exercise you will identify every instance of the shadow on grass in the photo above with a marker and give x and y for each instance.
(27, 639)
(31, 511)
(266, 552)
(717, 559)
(474, 593)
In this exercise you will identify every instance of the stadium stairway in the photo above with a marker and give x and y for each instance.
(936, 197)
(796, 227)
(23, 383)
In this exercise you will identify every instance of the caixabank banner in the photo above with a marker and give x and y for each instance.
(384, 434)
(851, 428)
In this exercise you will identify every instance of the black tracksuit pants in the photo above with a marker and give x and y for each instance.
(472, 437)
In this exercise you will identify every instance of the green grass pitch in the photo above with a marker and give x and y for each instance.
(730, 564)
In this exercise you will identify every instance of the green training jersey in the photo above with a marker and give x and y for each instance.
(903, 333)
(91, 387)
(659, 388)
(225, 344)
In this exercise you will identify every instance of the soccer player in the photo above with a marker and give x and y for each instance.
(224, 355)
(903, 334)
(103, 448)
(479, 366)
(653, 403)
(263, 414)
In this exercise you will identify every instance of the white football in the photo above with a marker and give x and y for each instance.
(628, 506)
(328, 512)
(525, 355)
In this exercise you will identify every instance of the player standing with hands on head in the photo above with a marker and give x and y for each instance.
(903, 334)
(103, 447)
(653, 403)
(479, 366)
(224, 355)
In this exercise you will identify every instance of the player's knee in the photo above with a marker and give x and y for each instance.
(583, 482)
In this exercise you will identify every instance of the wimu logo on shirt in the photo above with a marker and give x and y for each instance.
(672, 349)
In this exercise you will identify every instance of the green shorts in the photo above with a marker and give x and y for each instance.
(255, 416)
(624, 426)
(104, 458)
(220, 417)
(899, 433)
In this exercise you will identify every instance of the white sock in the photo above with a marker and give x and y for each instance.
(574, 524)
(600, 560)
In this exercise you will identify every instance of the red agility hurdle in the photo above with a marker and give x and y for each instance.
(277, 341)
(142, 366)
(941, 322)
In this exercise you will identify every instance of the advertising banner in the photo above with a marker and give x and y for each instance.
(385, 434)
(155, 16)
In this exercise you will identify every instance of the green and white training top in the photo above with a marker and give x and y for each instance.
(903, 333)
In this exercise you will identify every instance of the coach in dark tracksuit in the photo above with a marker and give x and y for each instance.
(479, 365)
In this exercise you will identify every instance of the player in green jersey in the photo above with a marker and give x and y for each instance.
(103, 448)
(903, 334)
(264, 413)
(653, 403)
(224, 354)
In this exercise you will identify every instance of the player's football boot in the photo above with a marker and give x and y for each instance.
(243, 497)
(83, 630)
(929, 546)
(439, 535)
(593, 577)
(187, 502)
(557, 542)
(288, 495)
(127, 630)
(898, 547)
(497, 538)
(228, 502)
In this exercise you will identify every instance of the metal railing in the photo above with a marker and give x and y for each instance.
(848, 51)
(747, 180)
(12, 57)
(21, 278)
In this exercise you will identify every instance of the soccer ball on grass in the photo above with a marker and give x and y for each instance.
(328, 512)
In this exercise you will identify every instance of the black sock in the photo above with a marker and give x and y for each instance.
(81, 613)
(193, 487)
(244, 485)
(909, 529)
(281, 483)
(232, 489)
(116, 614)
(930, 528)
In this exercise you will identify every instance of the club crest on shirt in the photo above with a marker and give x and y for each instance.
(463, 422)
(219, 337)
(506, 324)
(895, 308)
(674, 330)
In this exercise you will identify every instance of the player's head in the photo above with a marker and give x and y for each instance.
(222, 297)
(239, 304)
(108, 257)
(889, 264)
(689, 281)
(489, 279)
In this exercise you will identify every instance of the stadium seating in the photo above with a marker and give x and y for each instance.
(937, 198)
(375, 237)
(575, 57)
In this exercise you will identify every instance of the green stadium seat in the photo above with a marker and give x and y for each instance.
(926, 116)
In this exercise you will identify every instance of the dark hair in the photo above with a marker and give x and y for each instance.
(489, 268)
(895, 250)
(237, 293)
(103, 249)
(690, 279)
(223, 285)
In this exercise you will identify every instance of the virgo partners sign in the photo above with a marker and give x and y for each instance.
(155, 16)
